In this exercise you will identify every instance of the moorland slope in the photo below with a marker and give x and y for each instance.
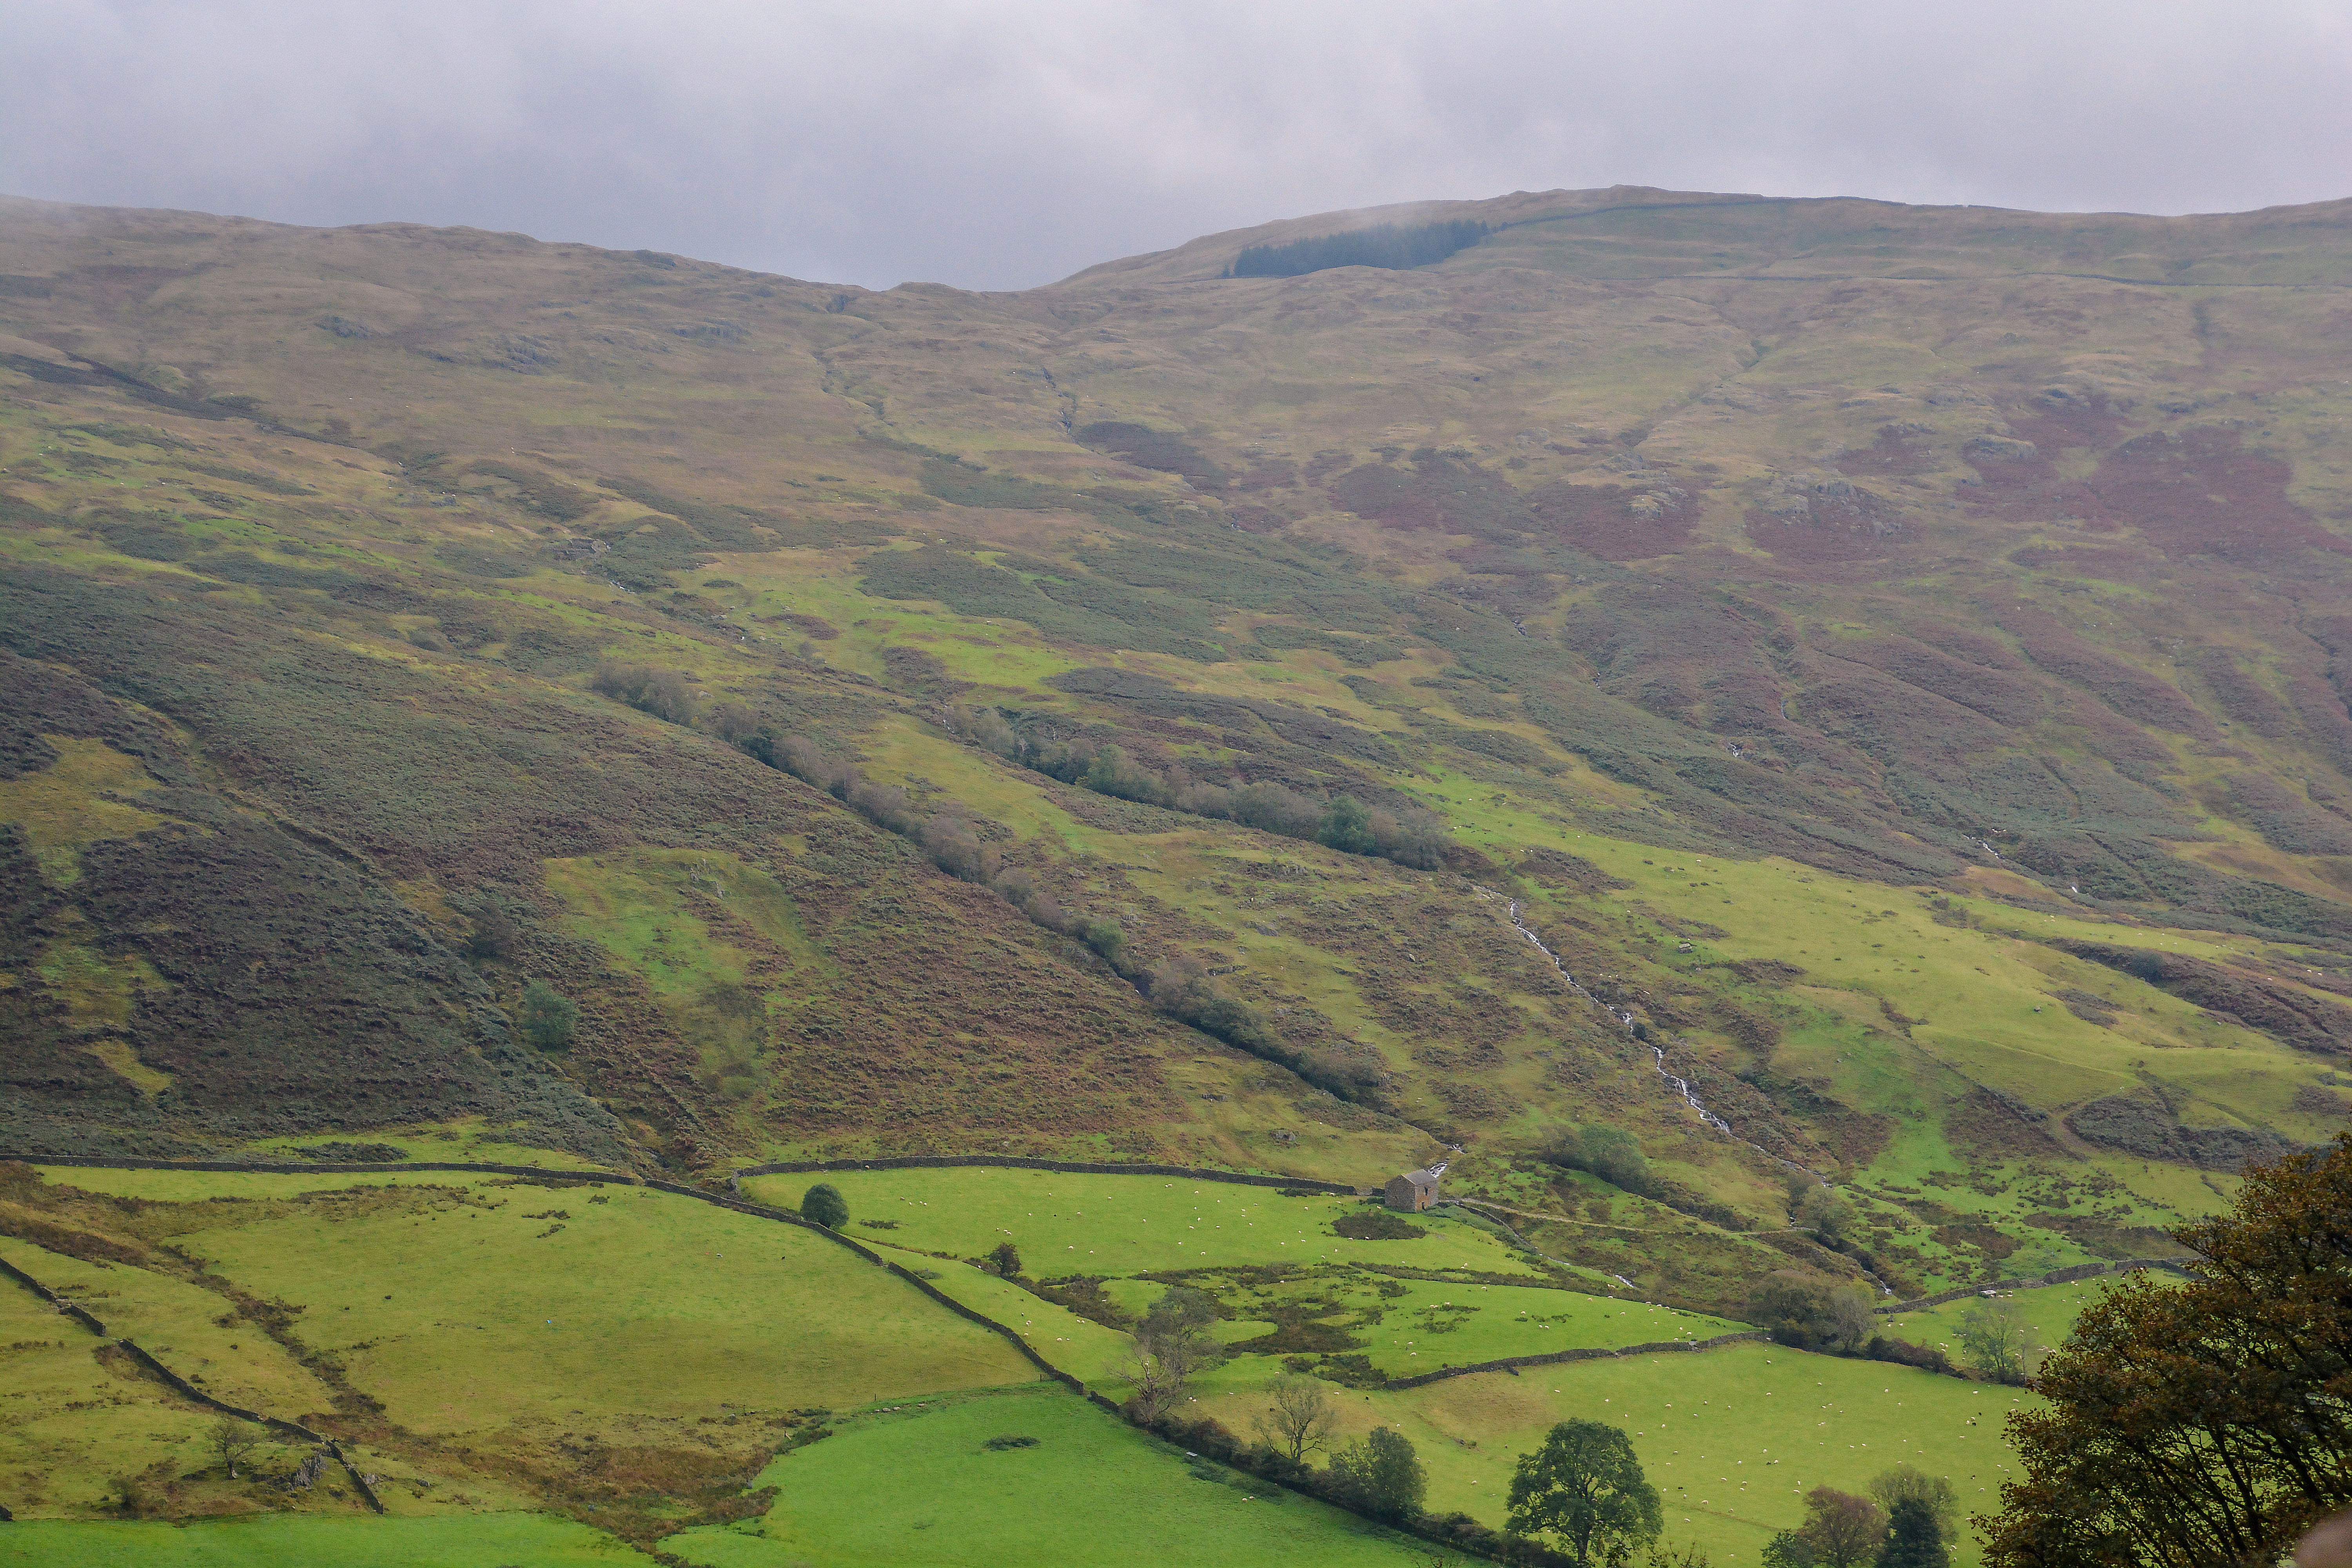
(1878, 671)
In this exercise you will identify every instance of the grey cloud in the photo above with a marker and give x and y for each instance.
(1001, 145)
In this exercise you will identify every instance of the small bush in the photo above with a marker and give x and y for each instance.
(1608, 1153)
(660, 692)
(1375, 1225)
(824, 1204)
(547, 1017)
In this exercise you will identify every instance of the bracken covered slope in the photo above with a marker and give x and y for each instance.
(1893, 657)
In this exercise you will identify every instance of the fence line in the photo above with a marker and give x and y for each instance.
(760, 1211)
(189, 1390)
(1023, 1162)
(1556, 1358)
(2039, 1281)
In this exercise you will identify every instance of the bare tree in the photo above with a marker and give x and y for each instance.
(1160, 1366)
(1298, 1416)
(233, 1439)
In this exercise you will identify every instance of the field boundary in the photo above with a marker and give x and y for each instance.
(2066, 1276)
(738, 1204)
(320, 1167)
(1557, 1358)
(189, 1390)
(1022, 1162)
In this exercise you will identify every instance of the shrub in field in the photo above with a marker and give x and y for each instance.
(824, 1204)
(1812, 1314)
(547, 1017)
(1608, 1153)
(660, 692)
(1375, 1225)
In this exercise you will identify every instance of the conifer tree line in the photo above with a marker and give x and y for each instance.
(1383, 245)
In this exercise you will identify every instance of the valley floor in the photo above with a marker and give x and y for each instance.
(562, 1370)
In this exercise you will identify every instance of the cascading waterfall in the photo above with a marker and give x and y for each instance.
(1681, 1084)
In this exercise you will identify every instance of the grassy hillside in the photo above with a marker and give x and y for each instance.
(1875, 673)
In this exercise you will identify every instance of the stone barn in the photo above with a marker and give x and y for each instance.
(1413, 1191)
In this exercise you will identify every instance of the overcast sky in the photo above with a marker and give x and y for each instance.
(1000, 145)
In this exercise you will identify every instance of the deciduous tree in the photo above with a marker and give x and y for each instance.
(1915, 1539)
(1585, 1488)
(1992, 1336)
(1381, 1475)
(1297, 1416)
(2202, 1423)
(1842, 1530)
(233, 1439)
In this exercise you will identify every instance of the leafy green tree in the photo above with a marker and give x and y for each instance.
(1346, 827)
(1007, 1259)
(1915, 1540)
(824, 1204)
(1824, 1210)
(1909, 1483)
(1381, 1475)
(547, 1017)
(1585, 1487)
(1844, 1531)
(1789, 1550)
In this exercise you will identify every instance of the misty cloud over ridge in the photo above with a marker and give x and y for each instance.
(1001, 147)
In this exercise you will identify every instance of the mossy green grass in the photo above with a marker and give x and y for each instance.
(1732, 1438)
(907, 1489)
(1065, 1223)
(481, 1304)
(297, 1541)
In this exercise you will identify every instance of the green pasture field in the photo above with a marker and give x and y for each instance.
(68, 1419)
(1079, 1346)
(1065, 1223)
(2050, 1313)
(919, 1490)
(479, 1304)
(300, 1540)
(1423, 1324)
(176, 1323)
(1732, 1438)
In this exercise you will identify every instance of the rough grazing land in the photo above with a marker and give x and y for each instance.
(1893, 660)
